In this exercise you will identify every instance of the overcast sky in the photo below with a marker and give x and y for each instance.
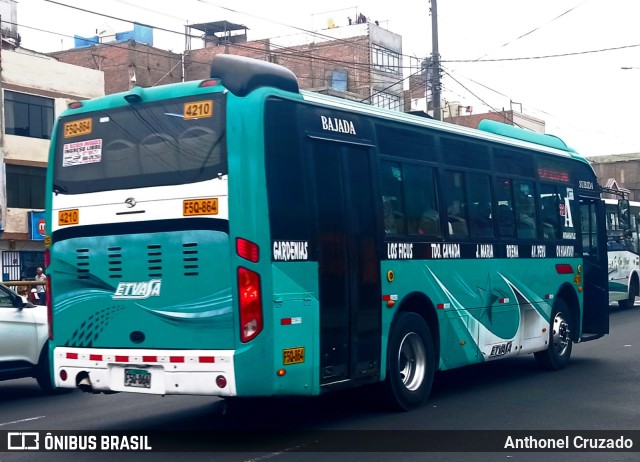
(584, 97)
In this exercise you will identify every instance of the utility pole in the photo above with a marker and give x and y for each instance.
(435, 62)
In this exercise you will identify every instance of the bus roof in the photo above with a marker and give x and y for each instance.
(494, 131)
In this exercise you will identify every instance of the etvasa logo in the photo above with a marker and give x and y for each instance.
(138, 290)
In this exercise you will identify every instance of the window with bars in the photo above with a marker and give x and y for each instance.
(385, 60)
(386, 100)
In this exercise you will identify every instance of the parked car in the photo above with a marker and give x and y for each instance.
(23, 339)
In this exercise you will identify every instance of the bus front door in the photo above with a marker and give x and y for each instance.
(595, 321)
(348, 261)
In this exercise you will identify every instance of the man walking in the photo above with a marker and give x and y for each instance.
(41, 289)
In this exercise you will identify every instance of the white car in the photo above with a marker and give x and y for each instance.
(23, 339)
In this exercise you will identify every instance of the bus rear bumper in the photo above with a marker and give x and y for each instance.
(160, 372)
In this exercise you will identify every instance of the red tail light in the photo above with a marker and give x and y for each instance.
(47, 258)
(250, 302)
(209, 83)
(247, 250)
(564, 268)
(49, 308)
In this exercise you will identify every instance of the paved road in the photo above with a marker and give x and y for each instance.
(598, 391)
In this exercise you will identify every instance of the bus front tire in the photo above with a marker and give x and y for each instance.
(411, 363)
(629, 303)
(558, 352)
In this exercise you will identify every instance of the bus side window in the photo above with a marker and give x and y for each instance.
(505, 215)
(392, 198)
(454, 187)
(526, 210)
(479, 200)
(550, 211)
(421, 203)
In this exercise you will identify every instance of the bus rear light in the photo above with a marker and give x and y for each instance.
(72, 355)
(209, 83)
(48, 299)
(250, 304)
(47, 258)
(63, 375)
(564, 268)
(247, 250)
(74, 105)
(221, 381)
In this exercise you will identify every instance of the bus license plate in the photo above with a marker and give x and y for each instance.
(68, 217)
(77, 128)
(293, 356)
(200, 207)
(138, 378)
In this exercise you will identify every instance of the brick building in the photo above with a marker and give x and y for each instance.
(126, 58)
(360, 61)
(624, 168)
(455, 114)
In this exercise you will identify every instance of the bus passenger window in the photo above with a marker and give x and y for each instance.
(526, 210)
(421, 201)
(505, 214)
(550, 211)
(392, 198)
(454, 186)
(479, 200)
(457, 223)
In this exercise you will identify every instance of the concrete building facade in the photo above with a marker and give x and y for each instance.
(35, 89)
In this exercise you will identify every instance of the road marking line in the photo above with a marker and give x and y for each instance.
(22, 420)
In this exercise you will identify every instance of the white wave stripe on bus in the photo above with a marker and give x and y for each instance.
(484, 337)
(204, 308)
(472, 324)
(84, 296)
(530, 299)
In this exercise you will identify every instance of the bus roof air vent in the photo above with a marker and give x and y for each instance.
(242, 75)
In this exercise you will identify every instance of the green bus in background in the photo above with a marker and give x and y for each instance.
(239, 237)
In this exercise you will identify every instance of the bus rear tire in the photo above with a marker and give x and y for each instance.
(633, 292)
(411, 363)
(558, 352)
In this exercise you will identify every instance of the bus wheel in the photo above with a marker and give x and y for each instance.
(43, 375)
(411, 363)
(633, 292)
(558, 352)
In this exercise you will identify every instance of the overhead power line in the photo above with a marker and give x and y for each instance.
(559, 55)
(532, 30)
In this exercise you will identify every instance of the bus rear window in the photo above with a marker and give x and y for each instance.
(162, 143)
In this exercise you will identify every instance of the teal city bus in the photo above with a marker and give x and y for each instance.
(239, 237)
